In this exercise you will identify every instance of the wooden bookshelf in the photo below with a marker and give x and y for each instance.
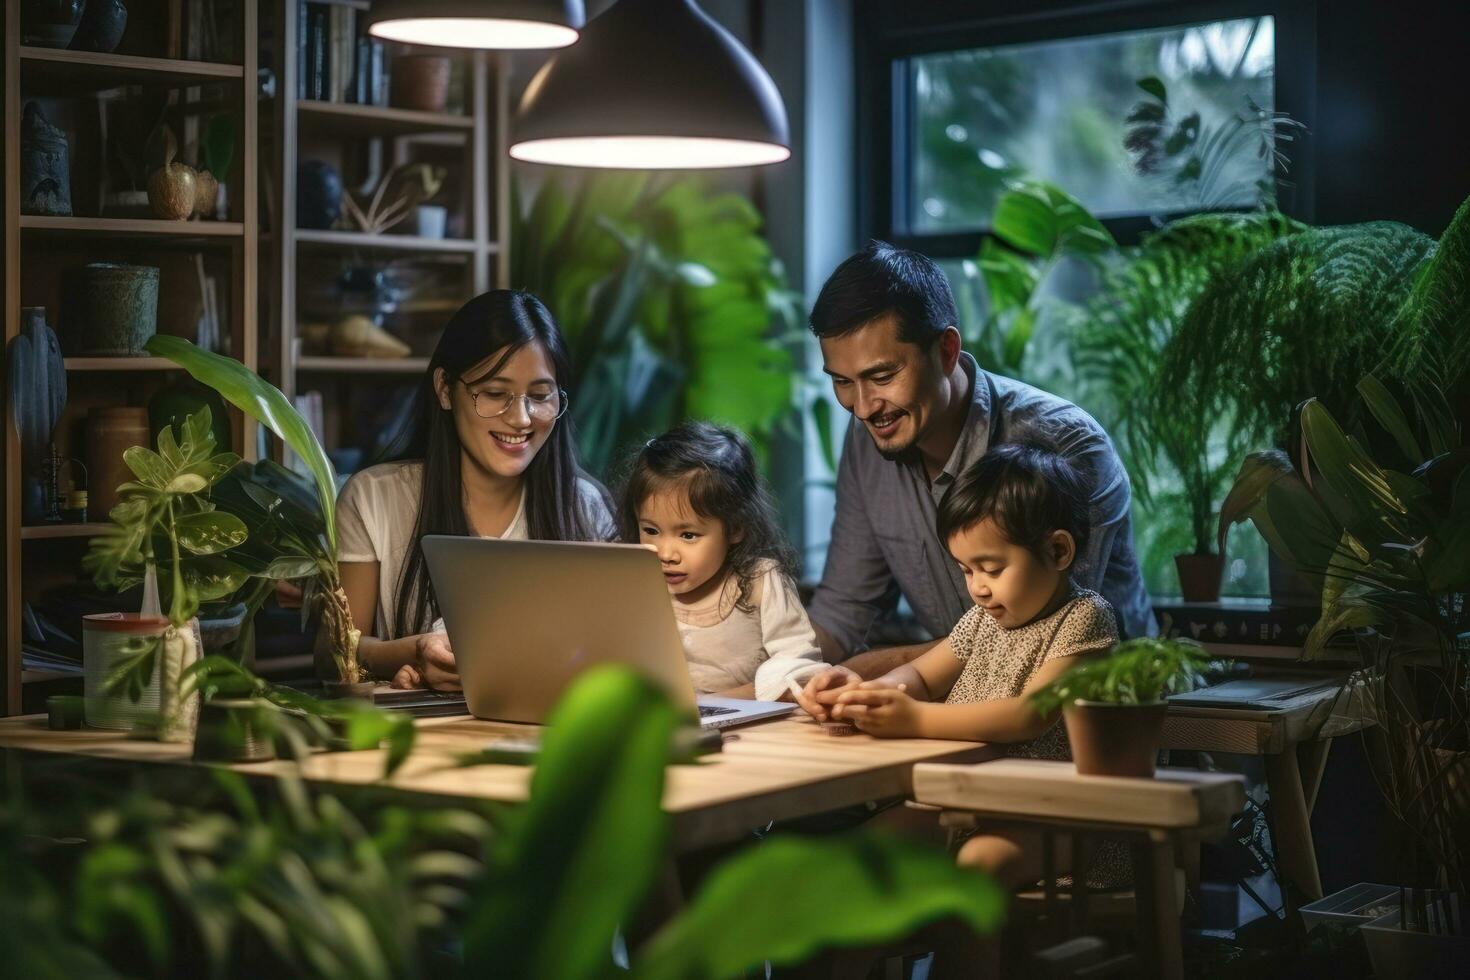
(471, 143)
(38, 248)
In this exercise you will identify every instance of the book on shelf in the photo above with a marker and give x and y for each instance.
(316, 51)
(336, 61)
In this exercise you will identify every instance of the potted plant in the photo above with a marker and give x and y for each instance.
(1384, 535)
(1114, 706)
(337, 637)
(166, 519)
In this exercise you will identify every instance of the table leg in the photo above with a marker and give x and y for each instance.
(1312, 759)
(1296, 856)
(1160, 947)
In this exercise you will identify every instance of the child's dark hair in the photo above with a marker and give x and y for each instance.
(1028, 490)
(715, 467)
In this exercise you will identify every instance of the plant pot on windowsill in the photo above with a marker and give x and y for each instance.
(234, 730)
(1199, 576)
(1115, 739)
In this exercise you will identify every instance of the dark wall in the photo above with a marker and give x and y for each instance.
(1382, 85)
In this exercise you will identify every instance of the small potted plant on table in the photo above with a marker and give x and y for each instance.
(1114, 706)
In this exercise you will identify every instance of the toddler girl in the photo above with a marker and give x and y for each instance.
(1015, 522)
(694, 496)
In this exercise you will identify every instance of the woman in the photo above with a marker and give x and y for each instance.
(490, 453)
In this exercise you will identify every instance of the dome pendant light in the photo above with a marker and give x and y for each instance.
(488, 24)
(652, 84)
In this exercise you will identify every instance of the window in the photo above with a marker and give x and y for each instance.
(1057, 109)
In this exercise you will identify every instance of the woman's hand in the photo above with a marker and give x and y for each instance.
(408, 678)
(434, 662)
(880, 709)
(822, 690)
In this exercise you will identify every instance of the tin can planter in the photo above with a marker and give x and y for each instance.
(1115, 739)
(234, 730)
(109, 309)
(108, 640)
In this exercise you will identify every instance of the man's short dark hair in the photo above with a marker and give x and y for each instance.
(880, 280)
(1028, 490)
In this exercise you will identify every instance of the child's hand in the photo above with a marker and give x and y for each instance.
(880, 709)
(823, 689)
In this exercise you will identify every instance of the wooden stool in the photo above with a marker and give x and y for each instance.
(1051, 795)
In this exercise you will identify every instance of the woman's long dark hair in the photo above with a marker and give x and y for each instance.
(716, 468)
(501, 320)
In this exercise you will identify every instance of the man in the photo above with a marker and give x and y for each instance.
(886, 323)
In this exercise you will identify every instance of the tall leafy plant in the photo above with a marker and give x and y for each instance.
(671, 301)
(165, 519)
(1386, 536)
(315, 536)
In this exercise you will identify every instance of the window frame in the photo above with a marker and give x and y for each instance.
(892, 32)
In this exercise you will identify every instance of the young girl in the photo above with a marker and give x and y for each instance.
(693, 495)
(490, 453)
(1015, 522)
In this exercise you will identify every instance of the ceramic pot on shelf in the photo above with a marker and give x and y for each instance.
(102, 26)
(420, 82)
(110, 309)
(111, 431)
(45, 166)
(318, 195)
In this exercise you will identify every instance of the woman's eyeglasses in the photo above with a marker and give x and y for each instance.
(542, 406)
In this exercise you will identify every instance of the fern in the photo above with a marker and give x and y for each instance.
(1140, 305)
(1306, 315)
(1434, 323)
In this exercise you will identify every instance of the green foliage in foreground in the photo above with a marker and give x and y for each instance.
(1138, 671)
(203, 877)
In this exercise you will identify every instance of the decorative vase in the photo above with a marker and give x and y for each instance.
(318, 195)
(1199, 576)
(1115, 739)
(206, 194)
(111, 431)
(358, 336)
(102, 26)
(49, 23)
(45, 166)
(171, 191)
(107, 640)
(233, 730)
(420, 81)
(37, 383)
(110, 309)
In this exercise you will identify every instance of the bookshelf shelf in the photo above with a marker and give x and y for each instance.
(58, 71)
(351, 119)
(132, 227)
(361, 365)
(119, 362)
(51, 532)
(404, 243)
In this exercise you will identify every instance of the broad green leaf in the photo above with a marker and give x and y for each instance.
(1385, 409)
(1024, 219)
(858, 890)
(210, 532)
(290, 567)
(822, 421)
(264, 403)
(583, 851)
(1010, 280)
(1349, 482)
(1257, 473)
(187, 483)
(1154, 87)
(147, 466)
(1018, 337)
(213, 577)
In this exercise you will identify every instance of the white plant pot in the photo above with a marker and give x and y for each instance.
(430, 220)
(106, 638)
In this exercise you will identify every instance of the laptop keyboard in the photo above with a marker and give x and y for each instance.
(710, 711)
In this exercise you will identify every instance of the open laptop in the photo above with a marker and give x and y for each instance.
(525, 617)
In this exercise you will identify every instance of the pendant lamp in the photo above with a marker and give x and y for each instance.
(489, 24)
(652, 84)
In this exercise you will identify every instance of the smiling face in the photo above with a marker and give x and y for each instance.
(505, 445)
(897, 389)
(1013, 584)
(691, 547)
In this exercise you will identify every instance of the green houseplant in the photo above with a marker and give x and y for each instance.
(671, 302)
(335, 885)
(1384, 534)
(1114, 705)
(165, 519)
(316, 539)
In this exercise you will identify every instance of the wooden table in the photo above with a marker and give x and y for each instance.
(769, 771)
(1052, 795)
(1293, 739)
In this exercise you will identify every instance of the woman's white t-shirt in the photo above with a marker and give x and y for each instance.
(376, 514)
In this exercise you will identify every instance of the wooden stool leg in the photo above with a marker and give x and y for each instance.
(1160, 948)
(1291, 830)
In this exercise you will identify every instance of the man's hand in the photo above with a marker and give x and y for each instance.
(880, 709)
(823, 689)
(435, 662)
